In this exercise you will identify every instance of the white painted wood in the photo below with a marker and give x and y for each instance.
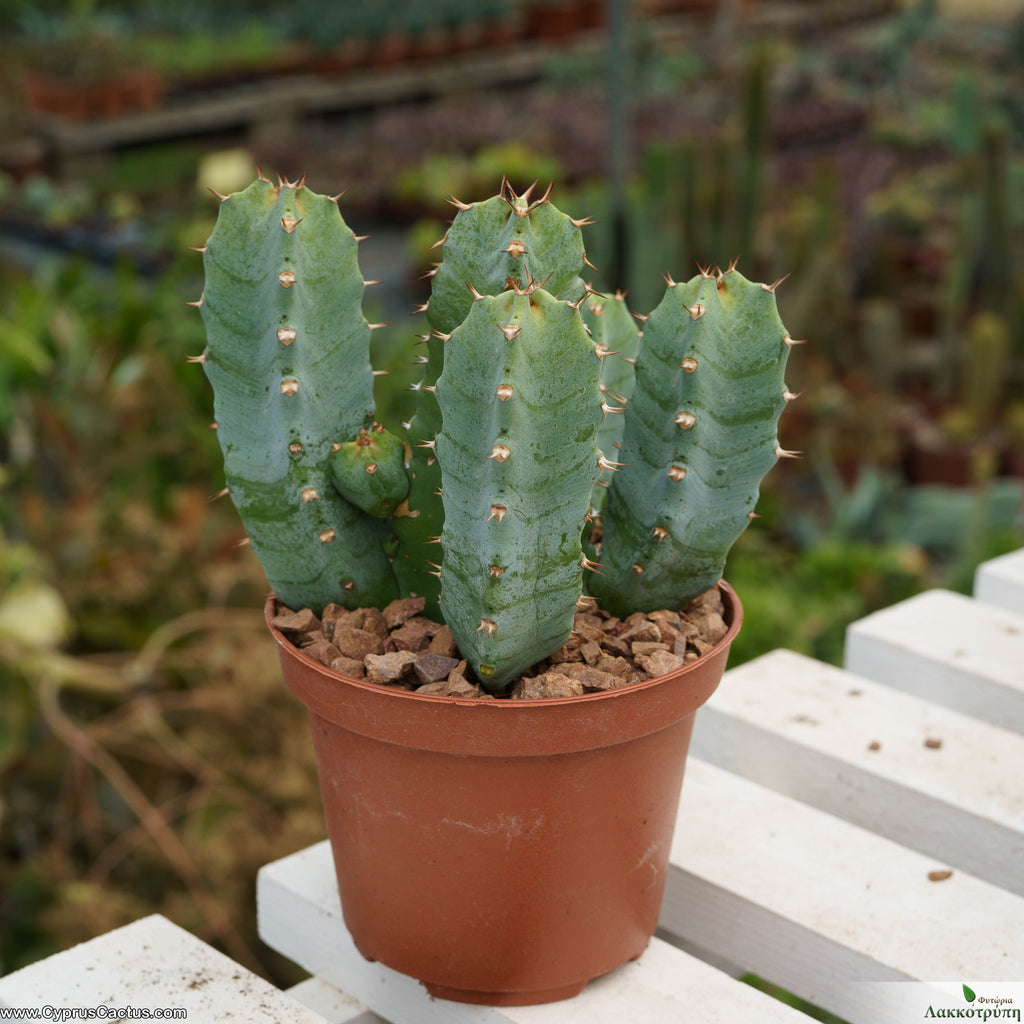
(332, 1004)
(947, 648)
(935, 780)
(151, 964)
(299, 915)
(1000, 581)
(818, 905)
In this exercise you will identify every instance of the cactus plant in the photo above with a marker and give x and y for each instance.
(529, 402)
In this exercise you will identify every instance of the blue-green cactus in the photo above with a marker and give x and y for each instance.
(519, 457)
(526, 404)
(700, 433)
(617, 343)
(288, 357)
(507, 240)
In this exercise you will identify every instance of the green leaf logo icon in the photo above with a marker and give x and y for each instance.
(969, 995)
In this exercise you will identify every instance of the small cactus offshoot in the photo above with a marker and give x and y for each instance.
(560, 451)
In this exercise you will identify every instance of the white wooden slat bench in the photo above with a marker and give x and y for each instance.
(838, 828)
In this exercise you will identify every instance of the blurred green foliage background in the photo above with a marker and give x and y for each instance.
(150, 759)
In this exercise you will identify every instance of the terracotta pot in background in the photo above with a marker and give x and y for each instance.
(502, 852)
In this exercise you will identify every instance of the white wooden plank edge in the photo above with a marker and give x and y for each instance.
(300, 917)
(331, 1003)
(1000, 581)
(821, 906)
(147, 965)
(947, 648)
(935, 780)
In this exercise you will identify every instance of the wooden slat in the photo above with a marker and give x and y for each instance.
(949, 649)
(935, 780)
(152, 964)
(1000, 581)
(820, 906)
(299, 915)
(332, 1004)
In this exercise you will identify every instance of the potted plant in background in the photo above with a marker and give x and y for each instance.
(501, 850)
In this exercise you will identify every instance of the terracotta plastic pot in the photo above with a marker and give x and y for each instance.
(502, 852)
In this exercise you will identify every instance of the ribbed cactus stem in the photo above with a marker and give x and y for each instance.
(700, 434)
(288, 357)
(419, 520)
(507, 238)
(519, 457)
(616, 341)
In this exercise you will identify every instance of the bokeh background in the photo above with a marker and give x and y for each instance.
(150, 758)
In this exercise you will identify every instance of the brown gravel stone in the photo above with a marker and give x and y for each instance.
(444, 643)
(616, 666)
(402, 609)
(288, 621)
(550, 684)
(615, 647)
(333, 616)
(357, 643)
(375, 624)
(642, 630)
(431, 668)
(659, 663)
(388, 668)
(413, 635)
(356, 618)
(665, 615)
(669, 633)
(459, 686)
(592, 678)
(686, 633)
(438, 688)
(587, 634)
(711, 625)
(349, 667)
(648, 647)
(323, 651)
(591, 652)
(569, 652)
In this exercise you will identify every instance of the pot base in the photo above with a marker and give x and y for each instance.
(528, 998)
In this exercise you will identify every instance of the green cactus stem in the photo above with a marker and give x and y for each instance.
(519, 457)
(507, 240)
(617, 343)
(418, 521)
(370, 472)
(700, 433)
(288, 357)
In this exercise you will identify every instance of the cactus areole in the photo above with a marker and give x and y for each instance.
(557, 455)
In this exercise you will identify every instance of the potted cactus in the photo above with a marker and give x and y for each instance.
(503, 851)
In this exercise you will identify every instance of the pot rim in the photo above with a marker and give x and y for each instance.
(733, 615)
(498, 728)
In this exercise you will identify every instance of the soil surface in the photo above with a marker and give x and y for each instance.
(400, 648)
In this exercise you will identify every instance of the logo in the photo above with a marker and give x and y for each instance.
(980, 1007)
